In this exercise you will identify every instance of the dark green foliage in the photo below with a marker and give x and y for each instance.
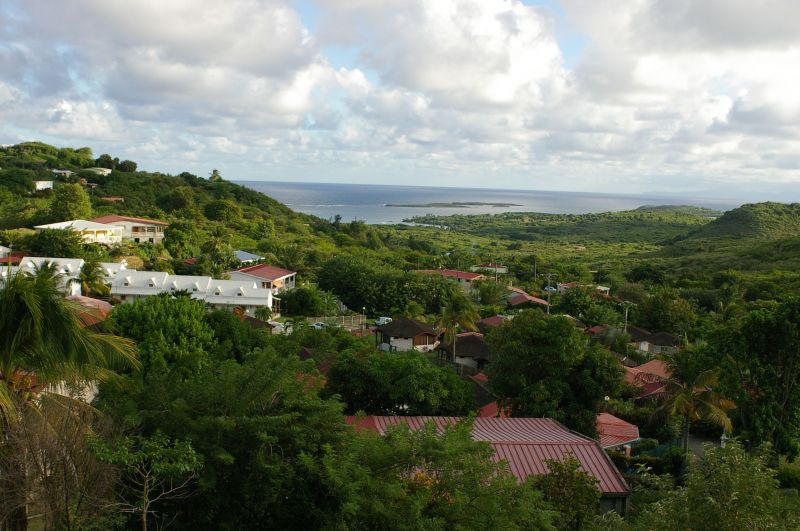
(543, 367)
(127, 166)
(308, 301)
(172, 333)
(232, 338)
(64, 243)
(572, 492)
(262, 433)
(727, 490)
(17, 180)
(411, 480)
(363, 282)
(70, 201)
(397, 383)
(223, 210)
(761, 362)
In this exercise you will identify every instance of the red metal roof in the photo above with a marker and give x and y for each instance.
(614, 431)
(90, 311)
(267, 272)
(14, 257)
(525, 443)
(450, 273)
(495, 320)
(114, 219)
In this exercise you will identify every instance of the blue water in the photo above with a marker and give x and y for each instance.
(368, 202)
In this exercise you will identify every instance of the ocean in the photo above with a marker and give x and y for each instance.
(367, 202)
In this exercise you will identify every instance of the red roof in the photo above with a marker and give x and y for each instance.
(597, 329)
(14, 257)
(116, 219)
(649, 377)
(450, 273)
(480, 377)
(525, 443)
(90, 311)
(521, 297)
(267, 272)
(614, 431)
(495, 320)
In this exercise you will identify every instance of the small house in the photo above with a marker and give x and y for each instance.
(471, 350)
(464, 279)
(406, 334)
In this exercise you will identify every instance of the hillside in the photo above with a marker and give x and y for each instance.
(645, 224)
(762, 221)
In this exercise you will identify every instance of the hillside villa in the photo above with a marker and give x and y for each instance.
(275, 279)
(463, 278)
(90, 231)
(136, 229)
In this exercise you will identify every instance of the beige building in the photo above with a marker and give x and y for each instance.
(90, 231)
(138, 230)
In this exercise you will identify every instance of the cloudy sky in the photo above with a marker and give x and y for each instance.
(612, 95)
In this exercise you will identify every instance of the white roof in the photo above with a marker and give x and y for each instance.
(67, 266)
(233, 291)
(4, 249)
(139, 280)
(78, 224)
(112, 268)
(192, 284)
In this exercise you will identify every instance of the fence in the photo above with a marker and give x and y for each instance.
(345, 321)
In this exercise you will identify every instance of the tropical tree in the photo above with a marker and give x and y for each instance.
(92, 279)
(458, 312)
(42, 344)
(690, 394)
(70, 201)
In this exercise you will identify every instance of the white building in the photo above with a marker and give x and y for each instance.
(136, 229)
(129, 285)
(69, 268)
(4, 251)
(63, 173)
(233, 294)
(90, 231)
(266, 276)
(112, 269)
(99, 171)
(43, 185)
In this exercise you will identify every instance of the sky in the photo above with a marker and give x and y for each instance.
(623, 96)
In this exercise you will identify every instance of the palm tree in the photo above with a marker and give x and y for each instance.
(459, 311)
(43, 344)
(93, 281)
(689, 394)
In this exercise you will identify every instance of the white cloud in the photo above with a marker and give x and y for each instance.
(443, 92)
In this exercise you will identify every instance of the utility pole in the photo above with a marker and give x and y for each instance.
(626, 305)
(548, 276)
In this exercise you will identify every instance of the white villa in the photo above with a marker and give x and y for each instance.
(43, 185)
(136, 229)
(91, 231)
(266, 276)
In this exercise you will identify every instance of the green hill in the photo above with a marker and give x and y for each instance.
(757, 221)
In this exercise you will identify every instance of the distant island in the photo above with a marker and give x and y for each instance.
(465, 204)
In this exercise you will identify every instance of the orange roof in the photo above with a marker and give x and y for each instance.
(112, 218)
(450, 273)
(267, 272)
(614, 431)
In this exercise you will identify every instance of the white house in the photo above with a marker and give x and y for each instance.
(62, 173)
(99, 171)
(236, 294)
(405, 334)
(90, 231)
(247, 258)
(132, 285)
(266, 276)
(136, 229)
(43, 185)
(69, 268)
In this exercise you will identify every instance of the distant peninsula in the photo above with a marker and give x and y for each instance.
(466, 204)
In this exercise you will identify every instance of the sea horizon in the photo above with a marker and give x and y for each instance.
(370, 202)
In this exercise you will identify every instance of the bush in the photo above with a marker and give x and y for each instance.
(789, 477)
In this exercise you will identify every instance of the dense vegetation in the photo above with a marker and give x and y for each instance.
(215, 424)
